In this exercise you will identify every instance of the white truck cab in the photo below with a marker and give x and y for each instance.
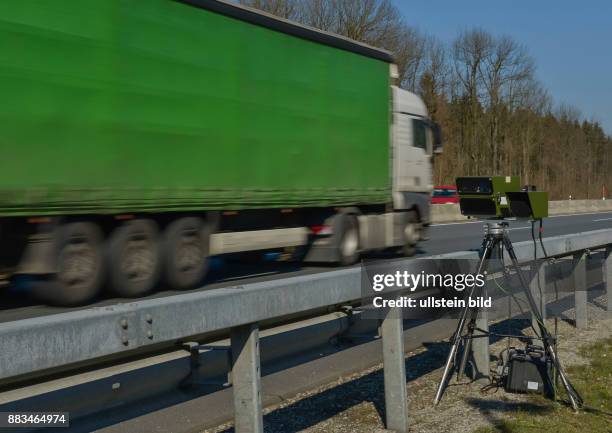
(412, 148)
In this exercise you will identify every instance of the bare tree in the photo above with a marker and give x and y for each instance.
(321, 14)
(371, 21)
(434, 80)
(288, 9)
(506, 70)
(469, 51)
(410, 54)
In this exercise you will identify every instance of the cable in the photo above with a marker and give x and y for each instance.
(556, 287)
(516, 300)
(572, 393)
(538, 269)
(510, 295)
(509, 327)
(542, 303)
(596, 411)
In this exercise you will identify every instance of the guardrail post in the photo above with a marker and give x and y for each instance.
(246, 379)
(537, 286)
(580, 292)
(394, 363)
(607, 277)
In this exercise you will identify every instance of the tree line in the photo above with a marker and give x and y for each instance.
(496, 116)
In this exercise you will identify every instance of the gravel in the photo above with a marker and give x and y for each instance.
(355, 403)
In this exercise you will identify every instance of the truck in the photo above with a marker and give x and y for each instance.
(139, 139)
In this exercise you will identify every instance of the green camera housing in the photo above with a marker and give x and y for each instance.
(499, 197)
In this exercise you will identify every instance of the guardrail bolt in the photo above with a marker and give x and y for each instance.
(125, 340)
(124, 323)
(150, 334)
(149, 318)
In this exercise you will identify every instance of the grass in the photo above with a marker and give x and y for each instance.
(593, 381)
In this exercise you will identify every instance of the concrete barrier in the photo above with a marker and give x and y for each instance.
(563, 207)
(446, 213)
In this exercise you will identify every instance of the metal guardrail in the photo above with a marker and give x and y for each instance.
(43, 343)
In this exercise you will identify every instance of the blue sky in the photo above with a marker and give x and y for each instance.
(571, 42)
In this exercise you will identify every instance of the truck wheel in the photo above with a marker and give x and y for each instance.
(412, 234)
(346, 239)
(78, 258)
(134, 258)
(186, 248)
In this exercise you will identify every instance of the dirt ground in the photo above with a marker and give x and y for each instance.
(355, 404)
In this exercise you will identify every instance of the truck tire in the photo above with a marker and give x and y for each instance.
(77, 255)
(186, 243)
(134, 259)
(345, 238)
(412, 234)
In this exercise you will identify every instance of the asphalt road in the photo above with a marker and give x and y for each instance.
(443, 238)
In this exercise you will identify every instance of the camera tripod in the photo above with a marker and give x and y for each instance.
(496, 236)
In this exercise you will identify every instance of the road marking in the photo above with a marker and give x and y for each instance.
(519, 228)
(604, 219)
(239, 277)
(460, 222)
(579, 214)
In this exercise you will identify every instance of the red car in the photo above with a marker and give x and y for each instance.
(444, 194)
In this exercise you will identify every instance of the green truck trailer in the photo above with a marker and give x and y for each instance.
(139, 138)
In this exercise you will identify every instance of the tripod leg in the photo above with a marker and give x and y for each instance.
(456, 339)
(467, 350)
(467, 347)
(574, 397)
(447, 365)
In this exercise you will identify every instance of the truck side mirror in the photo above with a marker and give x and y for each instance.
(437, 138)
